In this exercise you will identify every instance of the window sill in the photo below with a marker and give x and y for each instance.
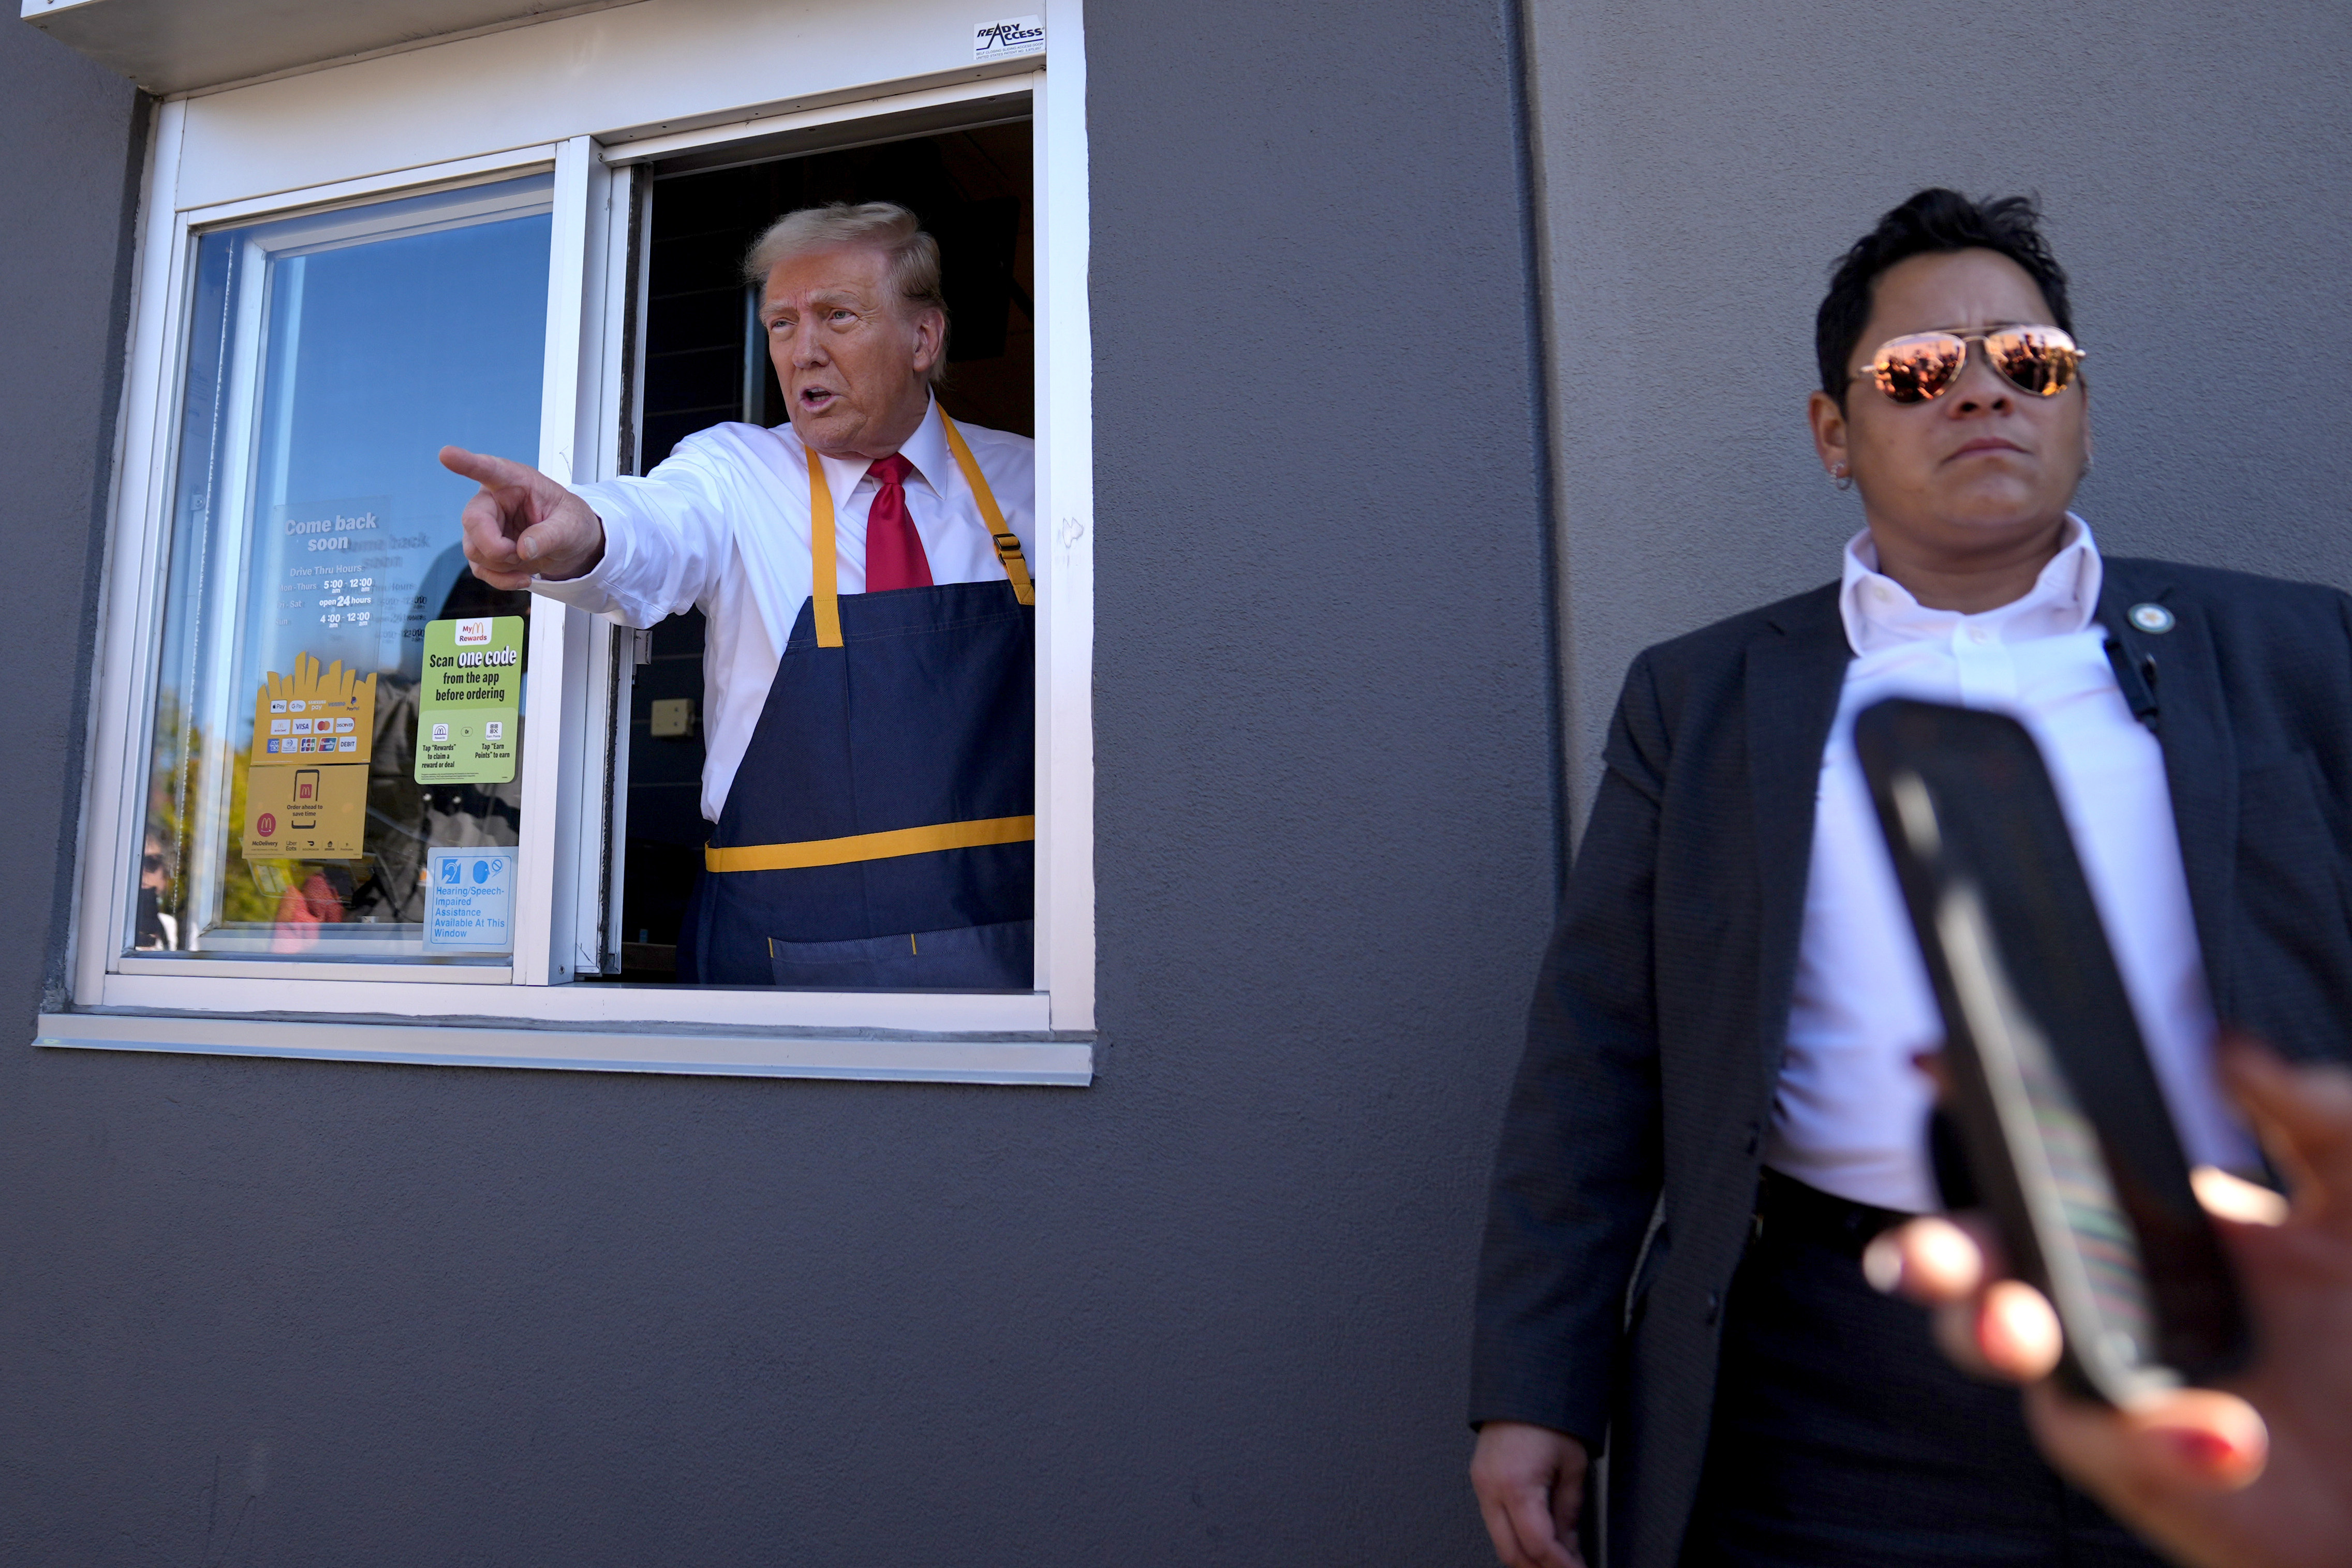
(599, 1006)
(479, 1042)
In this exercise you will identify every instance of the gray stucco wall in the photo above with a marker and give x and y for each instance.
(66, 187)
(1213, 1308)
(1704, 161)
(68, 190)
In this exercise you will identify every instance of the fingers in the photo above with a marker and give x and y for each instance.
(1566, 1504)
(1993, 1327)
(2009, 1333)
(488, 548)
(1514, 1552)
(1530, 1513)
(568, 541)
(554, 538)
(1518, 1524)
(1530, 1485)
(2225, 1196)
(2017, 1334)
(1931, 1259)
(2304, 1114)
(523, 524)
(488, 471)
(2192, 1440)
(1499, 1533)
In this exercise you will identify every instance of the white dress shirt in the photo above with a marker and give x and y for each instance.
(1848, 1114)
(723, 523)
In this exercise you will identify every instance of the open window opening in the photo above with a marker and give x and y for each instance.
(705, 362)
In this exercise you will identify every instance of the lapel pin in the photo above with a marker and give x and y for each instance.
(2151, 617)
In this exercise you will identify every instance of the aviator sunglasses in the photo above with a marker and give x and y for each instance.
(1923, 366)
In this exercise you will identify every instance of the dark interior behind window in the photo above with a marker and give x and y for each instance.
(705, 363)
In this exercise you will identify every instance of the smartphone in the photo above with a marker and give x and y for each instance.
(2056, 1111)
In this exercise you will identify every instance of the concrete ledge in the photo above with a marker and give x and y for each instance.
(782, 1053)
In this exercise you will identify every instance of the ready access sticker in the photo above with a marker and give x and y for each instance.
(1007, 40)
(470, 701)
(470, 899)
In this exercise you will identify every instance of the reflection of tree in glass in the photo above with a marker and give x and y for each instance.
(249, 893)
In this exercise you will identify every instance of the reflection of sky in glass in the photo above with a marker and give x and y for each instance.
(330, 356)
(377, 355)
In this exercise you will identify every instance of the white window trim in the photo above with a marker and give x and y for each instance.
(360, 1012)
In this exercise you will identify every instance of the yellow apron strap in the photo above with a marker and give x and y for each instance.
(871, 846)
(1008, 547)
(824, 591)
(824, 585)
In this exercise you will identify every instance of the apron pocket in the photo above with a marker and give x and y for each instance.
(964, 958)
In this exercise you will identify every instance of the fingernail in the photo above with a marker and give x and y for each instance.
(1882, 1263)
(2202, 1447)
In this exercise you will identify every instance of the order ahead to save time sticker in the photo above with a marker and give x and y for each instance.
(468, 709)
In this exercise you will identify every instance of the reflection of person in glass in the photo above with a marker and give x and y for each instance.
(404, 817)
(157, 931)
(865, 570)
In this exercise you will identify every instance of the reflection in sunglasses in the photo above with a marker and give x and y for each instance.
(1923, 366)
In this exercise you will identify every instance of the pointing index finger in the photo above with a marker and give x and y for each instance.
(485, 469)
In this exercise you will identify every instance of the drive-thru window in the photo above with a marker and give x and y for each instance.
(348, 800)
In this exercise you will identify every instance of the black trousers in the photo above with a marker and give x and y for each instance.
(1842, 1435)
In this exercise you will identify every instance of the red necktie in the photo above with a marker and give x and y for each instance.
(894, 551)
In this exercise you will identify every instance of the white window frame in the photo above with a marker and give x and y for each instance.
(533, 1013)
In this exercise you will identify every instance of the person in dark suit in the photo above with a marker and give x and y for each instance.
(1718, 1108)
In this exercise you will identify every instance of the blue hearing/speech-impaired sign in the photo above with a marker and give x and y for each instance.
(469, 900)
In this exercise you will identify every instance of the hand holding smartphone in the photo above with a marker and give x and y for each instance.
(2057, 1110)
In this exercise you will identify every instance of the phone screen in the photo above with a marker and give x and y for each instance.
(2065, 1129)
(2063, 1165)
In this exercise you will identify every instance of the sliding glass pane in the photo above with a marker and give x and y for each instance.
(310, 755)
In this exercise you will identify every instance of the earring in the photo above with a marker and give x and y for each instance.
(1841, 477)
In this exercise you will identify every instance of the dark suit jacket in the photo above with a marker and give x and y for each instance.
(1661, 1012)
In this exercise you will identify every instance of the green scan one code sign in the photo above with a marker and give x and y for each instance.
(467, 730)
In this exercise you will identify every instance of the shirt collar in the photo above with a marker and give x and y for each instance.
(1880, 613)
(926, 449)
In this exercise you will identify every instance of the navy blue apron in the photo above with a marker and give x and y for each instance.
(879, 833)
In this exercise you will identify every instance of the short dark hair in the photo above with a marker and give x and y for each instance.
(1934, 221)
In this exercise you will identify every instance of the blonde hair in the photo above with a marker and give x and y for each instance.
(912, 256)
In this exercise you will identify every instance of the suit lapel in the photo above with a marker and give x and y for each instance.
(1795, 671)
(2192, 723)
